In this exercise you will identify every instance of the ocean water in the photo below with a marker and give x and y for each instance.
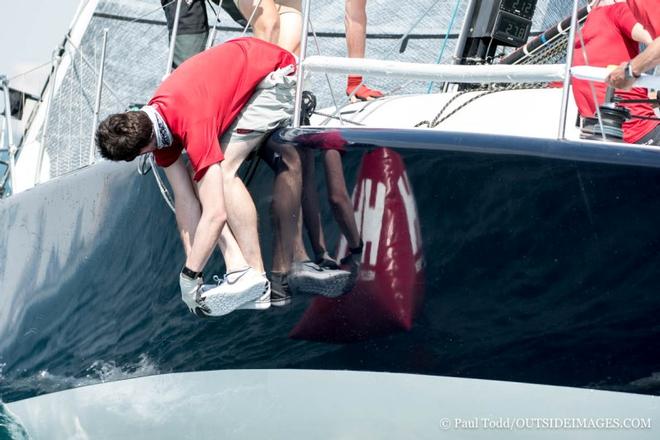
(536, 270)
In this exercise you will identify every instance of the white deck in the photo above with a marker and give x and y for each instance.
(529, 113)
(309, 404)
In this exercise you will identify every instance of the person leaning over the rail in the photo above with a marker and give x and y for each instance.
(611, 35)
(624, 76)
(198, 112)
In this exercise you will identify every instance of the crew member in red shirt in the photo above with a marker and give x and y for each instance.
(611, 36)
(219, 119)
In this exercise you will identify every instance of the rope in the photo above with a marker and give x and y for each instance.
(338, 118)
(439, 118)
(444, 42)
(646, 118)
(327, 78)
(161, 186)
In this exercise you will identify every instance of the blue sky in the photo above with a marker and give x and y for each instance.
(29, 32)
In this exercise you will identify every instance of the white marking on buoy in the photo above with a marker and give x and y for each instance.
(369, 217)
(411, 212)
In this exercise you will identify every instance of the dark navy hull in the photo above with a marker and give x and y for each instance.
(541, 258)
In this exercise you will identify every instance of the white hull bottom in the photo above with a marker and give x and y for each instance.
(306, 404)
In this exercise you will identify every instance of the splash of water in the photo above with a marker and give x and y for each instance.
(99, 371)
(10, 427)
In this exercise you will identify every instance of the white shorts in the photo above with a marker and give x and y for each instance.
(269, 108)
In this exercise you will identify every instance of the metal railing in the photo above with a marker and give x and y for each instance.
(9, 134)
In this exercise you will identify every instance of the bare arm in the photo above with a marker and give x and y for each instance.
(212, 220)
(642, 62)
(640, 34)
(186, 202)
(647, 59)
(200, 227)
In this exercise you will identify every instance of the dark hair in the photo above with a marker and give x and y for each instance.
(121, 136)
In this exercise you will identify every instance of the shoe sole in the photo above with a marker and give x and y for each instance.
(330, 287)
(281, 302)
(355, 99)
(257, 304)
(220, 304)
(254, 305)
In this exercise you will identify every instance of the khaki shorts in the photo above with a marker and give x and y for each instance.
(269, 108)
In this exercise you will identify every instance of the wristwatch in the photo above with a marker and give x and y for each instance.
(629, 74)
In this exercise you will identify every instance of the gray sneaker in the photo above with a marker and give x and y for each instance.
(280, 294)
(308, 277)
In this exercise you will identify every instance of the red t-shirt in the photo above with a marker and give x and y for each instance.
(607, 41)
(647, 12)
(203, 96)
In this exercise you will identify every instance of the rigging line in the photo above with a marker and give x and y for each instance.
(444, 42)
(337, 118)
(327, 78)
(594, 96)
(94, 70)
(161, 186)
(140, 17)
(41, 66)
(210, 5)
(249, 22)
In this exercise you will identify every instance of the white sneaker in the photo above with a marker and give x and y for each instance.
(261, 303)
(235, 290)
(308, 277)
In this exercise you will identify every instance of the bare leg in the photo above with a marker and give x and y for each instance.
(310, 203)
(355, 21)
(231, 251)
(286, 205)
(342, 208)
(265, 22)
(290, 25)
(299, 251)
(241, 212)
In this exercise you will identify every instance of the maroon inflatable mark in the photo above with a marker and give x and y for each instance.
(390, 284)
